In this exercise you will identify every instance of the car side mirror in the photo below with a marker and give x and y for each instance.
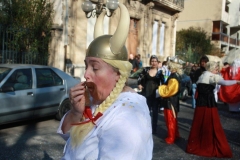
(7, 89)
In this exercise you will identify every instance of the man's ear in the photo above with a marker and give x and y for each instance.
(117, 77)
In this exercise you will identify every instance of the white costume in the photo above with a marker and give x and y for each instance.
(214, 79)
(166, 72)
(123, 132)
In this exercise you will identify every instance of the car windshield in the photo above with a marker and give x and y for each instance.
(4, 72)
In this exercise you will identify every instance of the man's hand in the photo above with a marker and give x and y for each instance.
(77, 99)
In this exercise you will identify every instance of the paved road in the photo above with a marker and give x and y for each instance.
(37, 140)
(230, 122)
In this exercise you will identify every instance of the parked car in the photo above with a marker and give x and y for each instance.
(32, 91)
(186, 85)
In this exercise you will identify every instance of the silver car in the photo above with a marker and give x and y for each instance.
(32, 91)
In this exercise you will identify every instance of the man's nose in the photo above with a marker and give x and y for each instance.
(86, 74)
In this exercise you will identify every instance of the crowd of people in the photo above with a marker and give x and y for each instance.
(206, 137)
(109, 120)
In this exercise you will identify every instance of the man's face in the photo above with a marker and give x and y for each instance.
(203, 64)
(100, 77)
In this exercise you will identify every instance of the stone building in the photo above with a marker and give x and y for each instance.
(152, 31)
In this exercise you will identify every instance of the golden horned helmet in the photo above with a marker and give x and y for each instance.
(110, 46)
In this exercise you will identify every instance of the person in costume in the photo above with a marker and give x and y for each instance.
(203, 60)
(170, 100)
(165, 70)
(193, 79)
(148, 82)
(108, 120)
(207, 137)
(231, 94)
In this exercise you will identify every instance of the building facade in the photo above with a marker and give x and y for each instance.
(220, 19)
(152, 30)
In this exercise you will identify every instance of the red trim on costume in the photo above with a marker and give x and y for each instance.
(172, 126)
(196, 94)
(88, 115)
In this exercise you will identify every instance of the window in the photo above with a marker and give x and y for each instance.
(4, 72)
(20, 79)
(46, 77)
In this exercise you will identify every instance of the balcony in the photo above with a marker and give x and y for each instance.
(216, 36)
(234, 42)
(174, 5)
(226, 40)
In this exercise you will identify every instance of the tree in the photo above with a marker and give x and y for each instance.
(192, 43)
(28, 24)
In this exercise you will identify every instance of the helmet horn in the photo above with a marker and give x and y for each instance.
(119, 37)
(98, 29)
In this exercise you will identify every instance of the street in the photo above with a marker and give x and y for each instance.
(37, 140)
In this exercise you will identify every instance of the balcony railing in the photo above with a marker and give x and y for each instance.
(226, 39)
(233, 41)
(220, 37)
(238, 42)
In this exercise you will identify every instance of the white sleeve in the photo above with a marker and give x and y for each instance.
(227, 82)
(124, 138)
(59, 130)
(215, 78)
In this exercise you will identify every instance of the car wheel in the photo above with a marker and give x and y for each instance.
(184, 94)
(63, 109)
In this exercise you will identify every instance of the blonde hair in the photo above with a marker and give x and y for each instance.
(175, 67)
(79, 132)
(211, 66)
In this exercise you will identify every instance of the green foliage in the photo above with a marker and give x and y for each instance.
(28, 22)
(192, 43)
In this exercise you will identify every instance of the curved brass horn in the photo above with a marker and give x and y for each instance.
(98, 29)
(119, 37)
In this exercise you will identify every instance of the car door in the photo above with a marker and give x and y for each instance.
(50, 90)
(17, 96)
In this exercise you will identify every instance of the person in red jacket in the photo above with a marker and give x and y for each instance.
(230, 94)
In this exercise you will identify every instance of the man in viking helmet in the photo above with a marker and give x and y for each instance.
(108, 120)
